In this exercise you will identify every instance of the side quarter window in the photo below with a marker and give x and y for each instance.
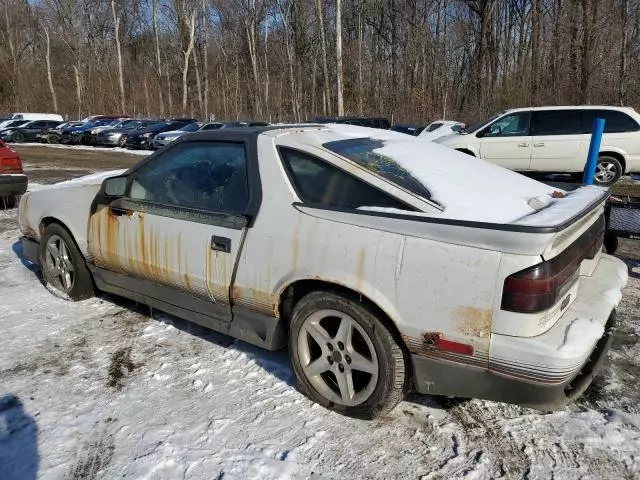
(208, 176)
(319, 183)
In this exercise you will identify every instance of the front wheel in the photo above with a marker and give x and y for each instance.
(63, 266)
(17, 137)
(608, 171)
(344, 357)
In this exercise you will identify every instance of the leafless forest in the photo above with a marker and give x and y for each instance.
(410, 60)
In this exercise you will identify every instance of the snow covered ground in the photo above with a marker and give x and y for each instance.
(105, 389)
(85, 147)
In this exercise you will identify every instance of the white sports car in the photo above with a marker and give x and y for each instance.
(385, 263)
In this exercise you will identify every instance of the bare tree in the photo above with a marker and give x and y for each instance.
(116, 33)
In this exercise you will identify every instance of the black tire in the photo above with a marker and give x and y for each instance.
(122, 141)
(17, 137)
(392, 366)
(82, 285)
(608, 171)
(65, 138)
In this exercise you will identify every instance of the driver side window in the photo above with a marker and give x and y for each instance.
(513, 125)
(208, 176)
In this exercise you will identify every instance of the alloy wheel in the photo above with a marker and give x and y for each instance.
(606, 172)
(338, 357)
(58, 264)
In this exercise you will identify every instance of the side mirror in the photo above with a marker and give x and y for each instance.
(115, 186)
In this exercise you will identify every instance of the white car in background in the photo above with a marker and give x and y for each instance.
(555, 140)
(384, 262)
(165, 138)
(440, 128)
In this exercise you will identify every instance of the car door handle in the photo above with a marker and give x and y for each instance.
(119, 211)
(538, 144)
(523, 144)
(221, 244)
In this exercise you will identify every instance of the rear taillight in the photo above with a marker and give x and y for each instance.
(540, 287)
(10, 165)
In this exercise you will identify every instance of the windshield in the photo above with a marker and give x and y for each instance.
(362, 151)
(192, 127)
(15, 123)
(478, 125)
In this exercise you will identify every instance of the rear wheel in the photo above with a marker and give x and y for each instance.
(608, 171)
(344, 357)
(63, 266)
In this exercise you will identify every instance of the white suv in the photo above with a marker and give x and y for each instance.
(555, 140)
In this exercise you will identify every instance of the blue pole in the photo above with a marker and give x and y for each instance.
(594, 150)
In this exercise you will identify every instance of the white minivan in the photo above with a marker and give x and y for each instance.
(555, 140)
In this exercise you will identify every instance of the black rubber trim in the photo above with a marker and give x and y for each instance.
(507, 227)
(300, 195)
(249, 326)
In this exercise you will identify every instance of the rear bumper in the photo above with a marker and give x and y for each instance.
(439, 377)
(31, 249)
(546, 371)
(13, 184)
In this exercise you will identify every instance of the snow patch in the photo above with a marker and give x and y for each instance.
(562, 209)
(142, 153)
(580, 332)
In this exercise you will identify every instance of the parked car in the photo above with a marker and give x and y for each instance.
(53, 134)
(440, 128)
(37, 116)
(244, 124)
(105, 117)
(13, 181)
(143, 138)
(73, 135)
(384, 262)
(165, 138)
(12, 124)
(117, 137)
(408, 129)
(89, 136)
(555, 140)
(183, 119)
(27, 131)
(372, 122)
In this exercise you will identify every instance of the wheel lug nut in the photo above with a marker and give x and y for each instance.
(341, 345)
(330, 345)
(330, 360)
(341, 367)
(347, 358)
